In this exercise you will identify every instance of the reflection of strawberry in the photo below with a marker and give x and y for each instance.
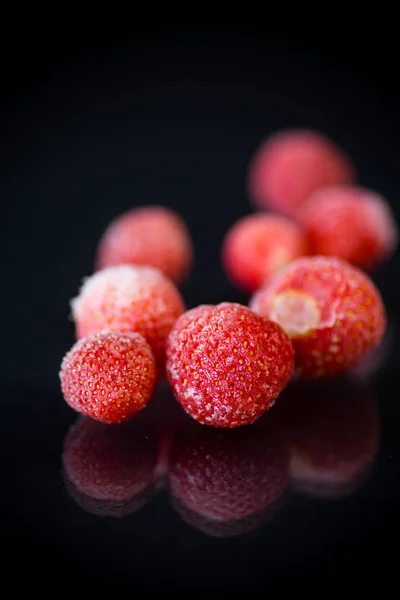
(228, 528)
(333, 435)
(228, 475)
(109, 468)
(110, 508)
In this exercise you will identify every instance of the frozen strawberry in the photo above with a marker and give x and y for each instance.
(333, 434)
(109, 469)
(228, 475)
(151, 235)
(331, 310)
(258, 245)
(291, 165)
(227, 365)
(351, 223)
(127, 298)
(108, 376)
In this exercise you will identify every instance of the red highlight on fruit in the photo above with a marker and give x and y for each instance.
(332, 311)
(258, 245)
(291, 165)
(227, 482)
(226, 364)
(153, 236)
(127, 298)
(109, 470)
(108, 376)
(351, 223)
(333, 435)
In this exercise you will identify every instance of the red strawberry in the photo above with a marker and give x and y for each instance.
(351, 223)
(291, 165)
(332, 311)
(128, 298)
(258, 245)
(154, 236)
(226, 364)
(108, 376)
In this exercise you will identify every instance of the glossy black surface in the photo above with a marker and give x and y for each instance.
(174, 120)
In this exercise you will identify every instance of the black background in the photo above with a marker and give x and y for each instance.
(95, 121)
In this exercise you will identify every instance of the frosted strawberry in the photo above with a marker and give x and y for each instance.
(291, 165)
(128, 298)
(108, 376)
(259, 245)
(226, 364)
(332, 311)
(150, 235)
(351, 223)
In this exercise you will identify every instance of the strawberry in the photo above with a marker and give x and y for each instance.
(108, 376)
(153, 236)
(258, 245)
(351, 223)
(332, 311)
(291, 165)
(226, 364)
(128, 298)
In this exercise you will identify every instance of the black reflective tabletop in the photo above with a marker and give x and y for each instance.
(310, 489)
(307, 495)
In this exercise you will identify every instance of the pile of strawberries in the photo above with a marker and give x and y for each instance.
(315, 312)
